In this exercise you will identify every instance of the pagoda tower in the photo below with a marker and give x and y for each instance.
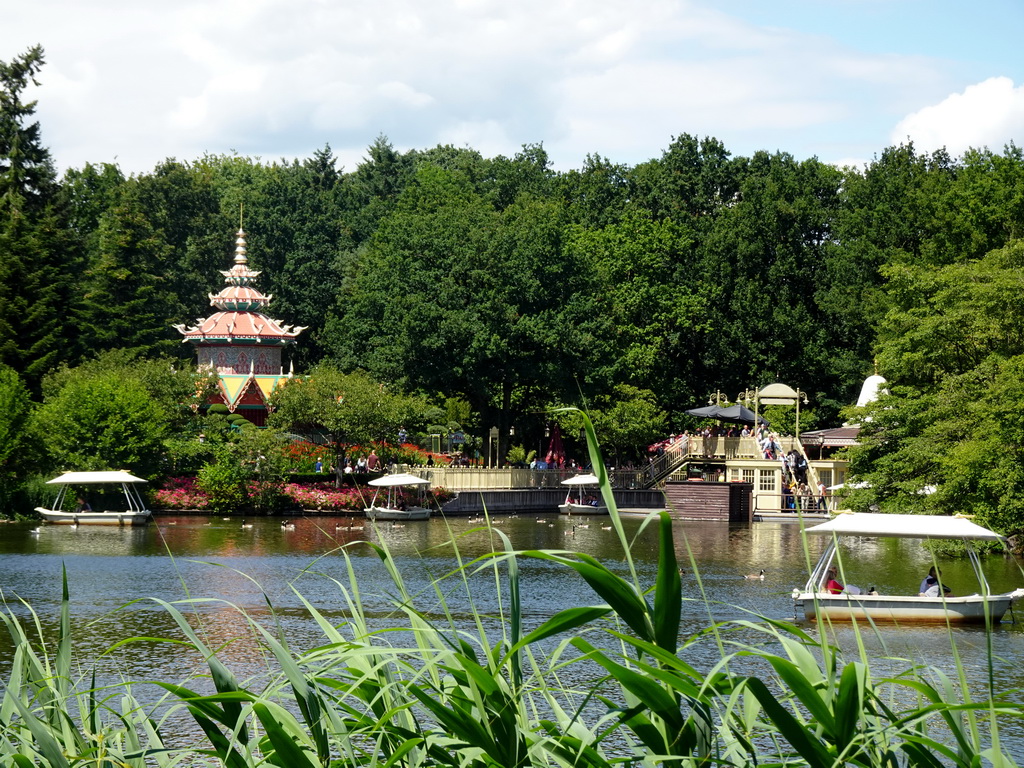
(240, 343)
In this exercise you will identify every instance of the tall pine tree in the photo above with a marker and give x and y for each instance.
(33, 277)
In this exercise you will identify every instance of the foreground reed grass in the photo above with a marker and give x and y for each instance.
(444, 691)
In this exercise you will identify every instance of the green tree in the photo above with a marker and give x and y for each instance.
(27, 177)
(952, 348)
(693, 181)
(300, 237)
(626, 422)
(34, 276)
(453, 296)
(647, 322)
(598, 194)
(126, 300)
(375, 186)
(177, 389)
(119, 410)
(762, 266)
(526, 175)
(17, 449)
(102, 420)
(346, 409)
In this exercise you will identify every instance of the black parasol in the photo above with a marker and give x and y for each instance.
(734, 414)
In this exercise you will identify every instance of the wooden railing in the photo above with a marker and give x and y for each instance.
(776, 503)
(677, 455)
(483, 478)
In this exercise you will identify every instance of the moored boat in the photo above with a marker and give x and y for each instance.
(102, 498)
(580, 501)
(390, 502)
(819, 603)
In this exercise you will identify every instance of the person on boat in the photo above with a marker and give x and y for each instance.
(932, 583)
(832, 585)
(82, 505)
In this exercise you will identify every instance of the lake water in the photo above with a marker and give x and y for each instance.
(180, 557)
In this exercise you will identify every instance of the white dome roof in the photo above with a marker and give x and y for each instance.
(873, 386)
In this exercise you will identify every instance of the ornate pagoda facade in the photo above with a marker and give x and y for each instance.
(241, 343)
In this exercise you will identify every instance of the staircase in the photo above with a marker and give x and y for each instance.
(662, 467)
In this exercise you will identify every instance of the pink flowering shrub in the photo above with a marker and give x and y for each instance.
(325, 496)
(442, 494)
(184, 493)
(181, 493)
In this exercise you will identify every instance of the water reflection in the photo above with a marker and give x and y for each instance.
(244, 568)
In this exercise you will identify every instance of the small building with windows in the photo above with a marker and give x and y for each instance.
(732, 478)
(242, 343)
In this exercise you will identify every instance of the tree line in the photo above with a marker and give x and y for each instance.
(514, 288)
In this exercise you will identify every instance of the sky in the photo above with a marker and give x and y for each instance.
(134, 82)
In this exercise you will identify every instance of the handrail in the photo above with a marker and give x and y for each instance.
(661, 467)
(777, 503)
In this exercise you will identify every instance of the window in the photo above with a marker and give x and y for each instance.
(748, 476)
(767, 480)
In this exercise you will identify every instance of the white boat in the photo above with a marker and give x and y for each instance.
(979, 608)
(389, 502)
(578, 501)
(101, 498)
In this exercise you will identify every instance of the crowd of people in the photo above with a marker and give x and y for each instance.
(797, 493)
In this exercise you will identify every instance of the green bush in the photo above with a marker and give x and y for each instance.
(225, 483)
(267, 497)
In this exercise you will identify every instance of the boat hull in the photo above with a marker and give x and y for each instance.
(971, 609)
(386, 513)
(573, 508)
(59, 517)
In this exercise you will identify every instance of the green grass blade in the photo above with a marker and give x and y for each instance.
(618, 593)
(669, 592)
(285, 735)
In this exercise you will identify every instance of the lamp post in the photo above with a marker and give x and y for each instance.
(748, 395)
(782, 394)
(717, 398)
(800, 395)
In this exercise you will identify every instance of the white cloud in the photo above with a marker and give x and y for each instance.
(988, 114)
(141, 80)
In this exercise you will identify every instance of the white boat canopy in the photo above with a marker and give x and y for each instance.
(85, 478)
(904, 526)
(402, 478)
(581, 480)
